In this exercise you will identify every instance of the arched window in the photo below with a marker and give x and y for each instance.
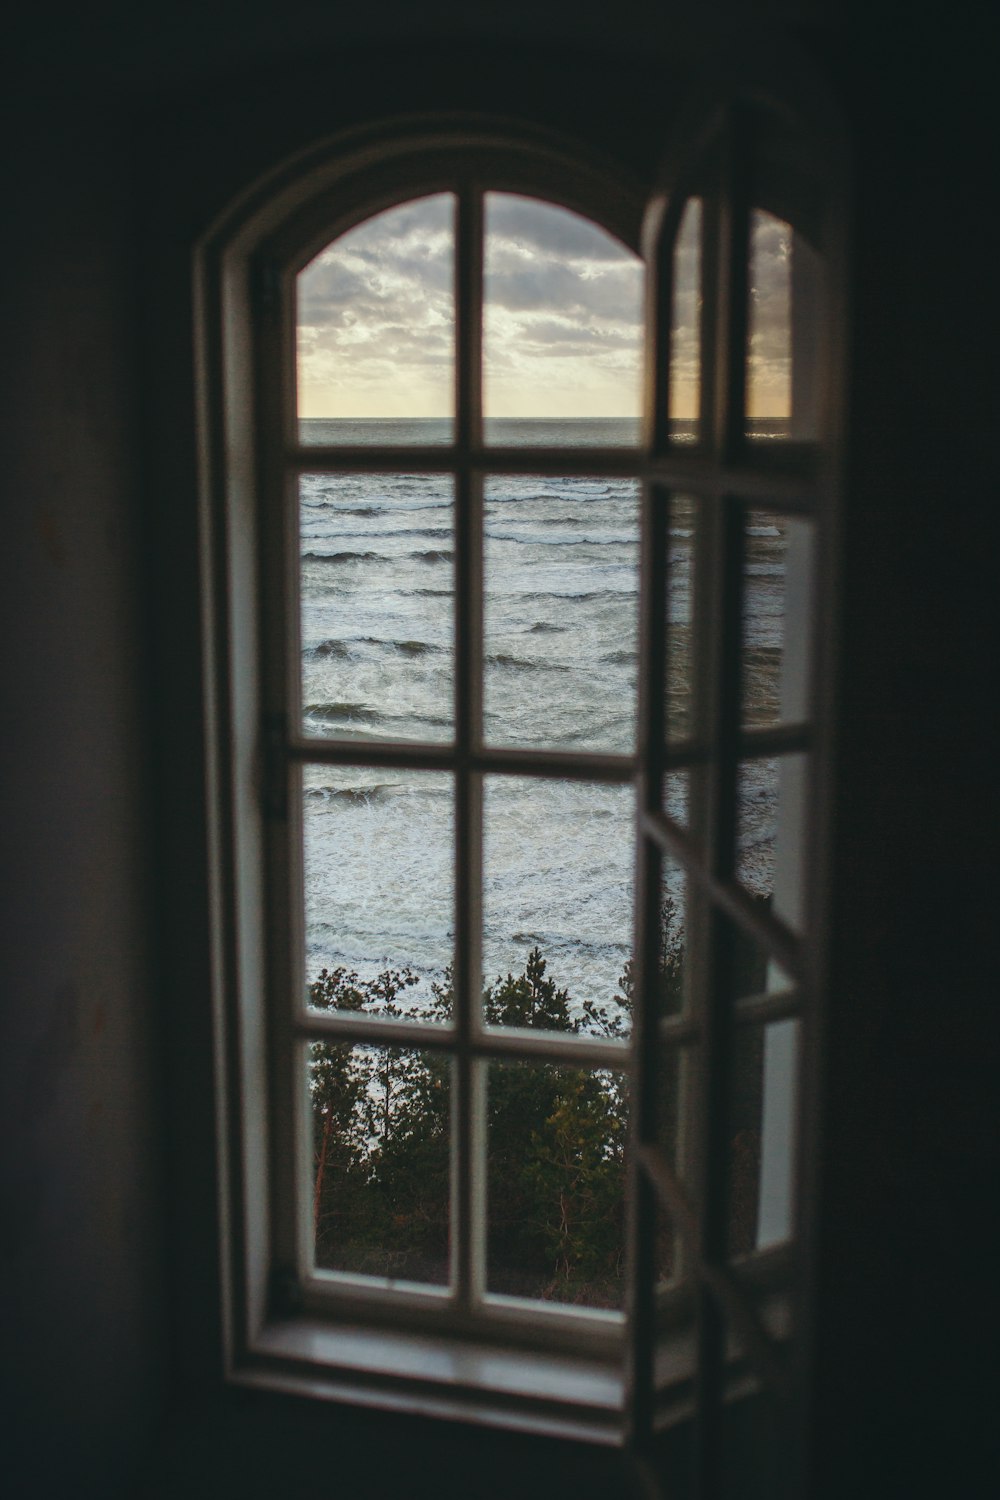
(520, 750)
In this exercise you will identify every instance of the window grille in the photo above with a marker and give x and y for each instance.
(750, 497)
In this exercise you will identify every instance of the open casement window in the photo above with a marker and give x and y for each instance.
(706, 798)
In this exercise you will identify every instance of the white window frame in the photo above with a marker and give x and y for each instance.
(537, 1368)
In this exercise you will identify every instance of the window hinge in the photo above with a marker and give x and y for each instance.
(275, 788)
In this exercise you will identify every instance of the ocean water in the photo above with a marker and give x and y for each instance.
(560, 663)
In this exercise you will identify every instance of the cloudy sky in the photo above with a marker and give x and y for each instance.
(562, 327)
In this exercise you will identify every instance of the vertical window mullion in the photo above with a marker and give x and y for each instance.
(643, 1202)
(731, 317)
(277, 582)
(468, 1173)
(721, 621)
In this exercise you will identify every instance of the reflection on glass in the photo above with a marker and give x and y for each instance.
(783, 325)
(557, 904)
(683, 514)
(769, 328)
(771, 812)
(555, 1193)
(672, 940)
(685, 328)
(562, 333)
(379, 889)
(376, 330)
(677, 796)
(762, 1110)
(379, 1174)
(757, 786)
(377, 605)
(777, 618)
(561, 612)
(674, 1128)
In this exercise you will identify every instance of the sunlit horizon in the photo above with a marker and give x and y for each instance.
(562, 320)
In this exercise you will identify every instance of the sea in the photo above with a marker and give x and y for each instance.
(560, 650)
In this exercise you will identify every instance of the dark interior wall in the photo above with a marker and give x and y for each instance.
(907, 1297)
(82, 1304)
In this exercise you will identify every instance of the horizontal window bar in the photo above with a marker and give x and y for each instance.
(506, 1321)
(791, 494)
(564, 764)
(577, 1049)
(598, 463)
(570, 765)
(766, 1008)
(754, 743)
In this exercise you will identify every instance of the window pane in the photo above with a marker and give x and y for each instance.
(562, 338)
(557, 892)
(683, 522)
(377, 602)
(379, 889)
(556, 1183)
(762, 1119)
(376, 330)
(379, 1175)
(675, 1101)
(685, 328)
(677, 796)
(769, 328)
(561, 612)
(771, 814)
(786, 289)
(673, 997)
(777, 618)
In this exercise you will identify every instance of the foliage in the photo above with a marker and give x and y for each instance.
(555, 1140)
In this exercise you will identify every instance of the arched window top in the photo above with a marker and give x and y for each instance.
(561, 320)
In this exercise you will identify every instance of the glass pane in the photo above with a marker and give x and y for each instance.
(680, 617)
(377, 602)
(557, 904)
(769, 328)
(771, 812)
(676, 796)
(777, 618)
(562, 331)
(379, 889)
(376, 330)
(673, 940)
(379, 1175)
(763, 1101)
(555, 1229)
(561, 612)
(786, 289)
(685, 328)
(675, 1127)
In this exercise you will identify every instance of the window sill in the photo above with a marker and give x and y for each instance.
(554, 1395)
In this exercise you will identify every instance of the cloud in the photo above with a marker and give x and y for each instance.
(769, 317)
(548, 231)
(376, 317)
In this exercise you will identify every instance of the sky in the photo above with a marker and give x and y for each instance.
(562, 329)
